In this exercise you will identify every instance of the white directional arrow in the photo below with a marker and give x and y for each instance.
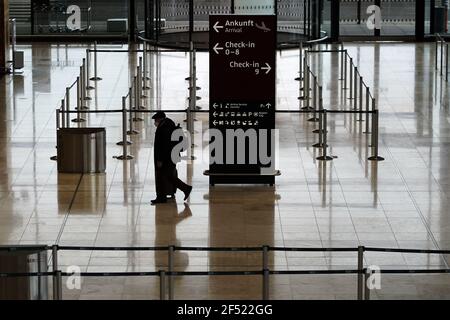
(215, 105)
(215, 114)
(217, 27)
(217, 48)
(214, 122)
(267, 68)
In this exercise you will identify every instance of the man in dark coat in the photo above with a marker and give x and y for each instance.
(166, 178)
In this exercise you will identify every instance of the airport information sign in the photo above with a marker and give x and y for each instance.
(242, 51)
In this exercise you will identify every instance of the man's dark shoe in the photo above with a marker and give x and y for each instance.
(156, 201)
(187, 193)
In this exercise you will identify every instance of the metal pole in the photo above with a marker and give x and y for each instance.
(360, 272)
(446, 62)
(170, 263)
(78, 119)
(325, 156)
(58, 124)
(96, 77)
(162, 285)
(436, 55)
(442, 56)
(345, 70)
(141, 75)
(146, 77)
(56, 295)
(367, 275)
(351, 78)
(342, 62)
(124, 143)
(320, 132)
(68, 107)
(300, 62)
(63, 110)
(360, 98)
(266, 274)
(83, 74)
(355, 89)
(367, 110)
(136, 100)
(88, 70)
(130, 106)
(375, 133)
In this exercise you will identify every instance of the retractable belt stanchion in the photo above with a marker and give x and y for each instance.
(324, 133)
(303, 84)
(442, 56)
(124, 143)
(314, 100)
(146, 78)
(78, 118)
(320, 130)
(360, 98)
(136, 100)
(63, 111)
(367, 274)
(162, 285)
(300, 62)
(360, 272)
(67, 107)
(355, 88)
(345, 70)
(436, 49)
(171, 264)
(367, 110)
(446, 62)
(266, 273)
(88, 70)
(350, 78)
(83, 75)
(57, 286)
(58, 122)
(342, 62)
(96, 77)
(375, 133)
(141, 75)
(131, 130)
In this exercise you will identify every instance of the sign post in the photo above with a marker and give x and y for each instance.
(242, 51)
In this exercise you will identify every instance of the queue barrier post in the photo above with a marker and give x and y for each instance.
(78, 119)
(325, 156)
(162, 285)
(266, 273)
(124, 143)
(171, 264)
(375, 134)
(88, 70)
(96, 77)
(360, 272)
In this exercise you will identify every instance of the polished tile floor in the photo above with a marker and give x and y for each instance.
(402, 202)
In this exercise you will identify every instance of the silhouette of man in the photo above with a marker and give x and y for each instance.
(166, 177)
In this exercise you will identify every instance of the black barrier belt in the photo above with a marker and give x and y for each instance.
(326, 51)
(112, 274)
(25, 274)
(246, 249)
(407, 250)
(313, 249)
(24, 248)
(135, 51)
(293, 272)
(90, 248)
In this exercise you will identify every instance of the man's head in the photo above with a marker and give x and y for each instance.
(158, 117)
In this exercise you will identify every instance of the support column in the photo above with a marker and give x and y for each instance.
(4, 35)
(335, 12)
(132, 23)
